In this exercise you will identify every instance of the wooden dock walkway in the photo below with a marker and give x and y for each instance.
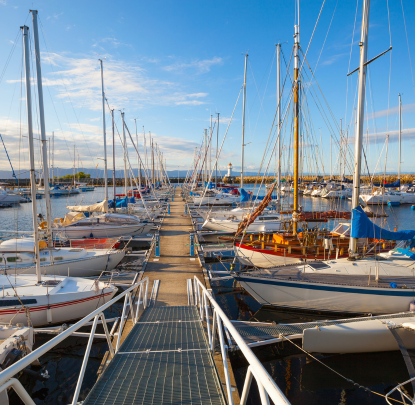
(174, 265)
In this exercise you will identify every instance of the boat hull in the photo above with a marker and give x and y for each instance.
(326, 297)
(84, 267)
(60, 311)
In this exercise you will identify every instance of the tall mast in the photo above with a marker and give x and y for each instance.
(104, 132)
(42, 131)
(74, 165)
(400, 138)
(243, 123)
(125, 153)
(145, 154)
(210, 147)
(31, 149)
(113, 160)
(152, 161)
(279, 120)
(206, 152)
(296, 119)
(138, 157)
(360, 113)
(217, 146)
(53, 157)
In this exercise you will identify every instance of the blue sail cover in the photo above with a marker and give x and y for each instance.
(246, 196)
(363, 227)
(397, 183)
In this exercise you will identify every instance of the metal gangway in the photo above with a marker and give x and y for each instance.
(167, 357)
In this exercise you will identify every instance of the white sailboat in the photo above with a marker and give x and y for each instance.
(347, 285)
(33, 299)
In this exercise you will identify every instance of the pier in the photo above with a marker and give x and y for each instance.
(168, 356)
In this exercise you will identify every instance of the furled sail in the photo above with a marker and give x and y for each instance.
(98, 207)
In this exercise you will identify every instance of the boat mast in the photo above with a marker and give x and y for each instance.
(42, 131)
(74, 166)
(104, 132)
(360, 114)
(296, 118)
(243, 123)
(31, 149)
(152, 161)
(113, 160)
(53, 157)
(400, 139)
(125, 153)
(205, 157)
(279, 120)
(217, 146)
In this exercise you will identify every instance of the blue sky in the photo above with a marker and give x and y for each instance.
(172, 64)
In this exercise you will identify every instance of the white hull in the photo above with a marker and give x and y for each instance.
(10, 198)
(402, 198)
(232, 226)
(60, 311)
(101, 231)
(84, 267)
(357, 337)
(326, 297)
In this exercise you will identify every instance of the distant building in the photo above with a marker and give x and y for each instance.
(229, 177)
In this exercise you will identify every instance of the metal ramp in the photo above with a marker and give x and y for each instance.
(165, 359)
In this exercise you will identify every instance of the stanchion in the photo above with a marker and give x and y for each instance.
(192, 244)
(168, 208)
(185, 209)
(157, 247)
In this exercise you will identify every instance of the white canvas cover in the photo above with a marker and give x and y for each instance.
(98, 207)
(72, 217)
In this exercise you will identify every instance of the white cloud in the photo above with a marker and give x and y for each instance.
(54, 16)
(189, 102)
(406, 108)
(201, 66)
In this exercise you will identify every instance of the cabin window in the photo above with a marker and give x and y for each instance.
(14, 259)
(58, 258)
(42, 259)
(319, 266)
(9, 303)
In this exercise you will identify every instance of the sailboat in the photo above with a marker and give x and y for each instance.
(349, 285)
(35, 299)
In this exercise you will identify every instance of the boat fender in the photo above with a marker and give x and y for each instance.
(49, 314)
(412, 306)
(393, 285)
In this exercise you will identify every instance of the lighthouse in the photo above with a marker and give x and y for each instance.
(229, 178)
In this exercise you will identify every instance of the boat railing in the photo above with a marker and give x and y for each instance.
(6, 376)
(402, 392)
(221, 326)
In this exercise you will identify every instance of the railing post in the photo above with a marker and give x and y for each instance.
(192, 244)
(124, 309)
(196, 287)
(85, 361)
(168, 208)
(131, 308)
(138, 303)
(19, 389)
(212, 345)
(185, 209)
(104, 324)
(146, 294)
(247, 386)
(157, 245)
(225, 361)
(207, 319)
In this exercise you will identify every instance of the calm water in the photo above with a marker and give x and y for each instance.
(302, 380)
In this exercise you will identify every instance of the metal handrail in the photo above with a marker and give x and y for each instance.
(9, 372)
(266, 385)
(403, 393)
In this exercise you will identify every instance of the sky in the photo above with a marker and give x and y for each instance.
(172, 64)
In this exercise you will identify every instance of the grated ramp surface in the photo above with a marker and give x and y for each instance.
(252, 333)
(164, 360)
